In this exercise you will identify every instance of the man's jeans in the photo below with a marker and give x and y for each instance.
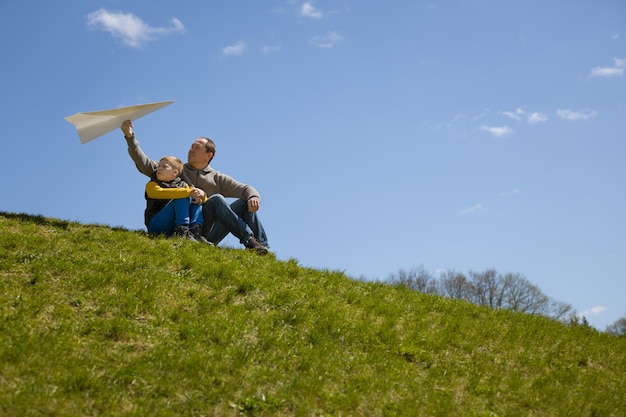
(221, 218)
(177, 212)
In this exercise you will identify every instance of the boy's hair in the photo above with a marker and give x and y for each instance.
(174, 162)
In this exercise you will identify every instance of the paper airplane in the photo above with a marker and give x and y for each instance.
(93, 124)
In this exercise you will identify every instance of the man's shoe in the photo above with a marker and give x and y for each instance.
(183, 232)
(256, 246)
(196, 232)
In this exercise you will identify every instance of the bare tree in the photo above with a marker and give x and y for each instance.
(561, 311)
(454, 285)
(487, 288)
(618, 328)
(490, 289)
(417, 279)
(521, 295)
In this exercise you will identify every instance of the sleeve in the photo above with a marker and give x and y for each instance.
(232, 188)
(144, 164)
(154, 190)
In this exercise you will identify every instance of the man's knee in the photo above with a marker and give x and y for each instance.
(239, 206)
(215, 200)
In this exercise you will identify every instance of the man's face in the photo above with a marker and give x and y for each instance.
(198, 156)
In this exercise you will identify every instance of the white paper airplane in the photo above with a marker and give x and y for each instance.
(93, 124)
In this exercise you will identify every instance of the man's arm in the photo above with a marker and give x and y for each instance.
(233, 188)
(144, 164)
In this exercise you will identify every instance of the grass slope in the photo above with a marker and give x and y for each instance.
(98, 321)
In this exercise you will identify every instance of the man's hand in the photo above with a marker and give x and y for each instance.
(254, 204)
(127, 128)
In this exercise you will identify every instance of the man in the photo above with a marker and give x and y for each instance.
(240, 218)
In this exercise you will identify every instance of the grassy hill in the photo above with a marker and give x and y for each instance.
(99, 321)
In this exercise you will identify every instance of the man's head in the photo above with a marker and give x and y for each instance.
(201, 153)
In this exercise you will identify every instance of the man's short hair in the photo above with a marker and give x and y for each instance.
(210, 145)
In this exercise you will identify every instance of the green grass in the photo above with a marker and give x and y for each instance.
(99, 321)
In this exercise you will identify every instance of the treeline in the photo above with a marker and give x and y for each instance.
(498, 291)
(490, 289)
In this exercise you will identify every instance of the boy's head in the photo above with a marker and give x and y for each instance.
(169, 168)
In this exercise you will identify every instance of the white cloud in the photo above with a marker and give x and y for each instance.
(308, 10)
(236, 49)
(537, 118)
(129, 28)
(606, 72)
(472, 209)
(267, 49)
(497, 131)
(575, 115)
(327, 41)
(517, 114)
(510, 193)
(520, 114)
(593, 311)
(617, 70)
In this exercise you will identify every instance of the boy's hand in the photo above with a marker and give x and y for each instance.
(127, 128)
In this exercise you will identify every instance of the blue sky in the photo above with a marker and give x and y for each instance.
(461, 134)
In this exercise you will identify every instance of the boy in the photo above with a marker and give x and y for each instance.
(170, 209)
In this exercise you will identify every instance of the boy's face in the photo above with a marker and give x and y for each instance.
(165, 172)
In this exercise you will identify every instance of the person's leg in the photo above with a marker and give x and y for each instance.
(196, 222)
(195, 215)
(217, 232)
(173, 219)
(240, 208)
(219, 219)
(164, 221)
(217, 211)
(182, 210)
